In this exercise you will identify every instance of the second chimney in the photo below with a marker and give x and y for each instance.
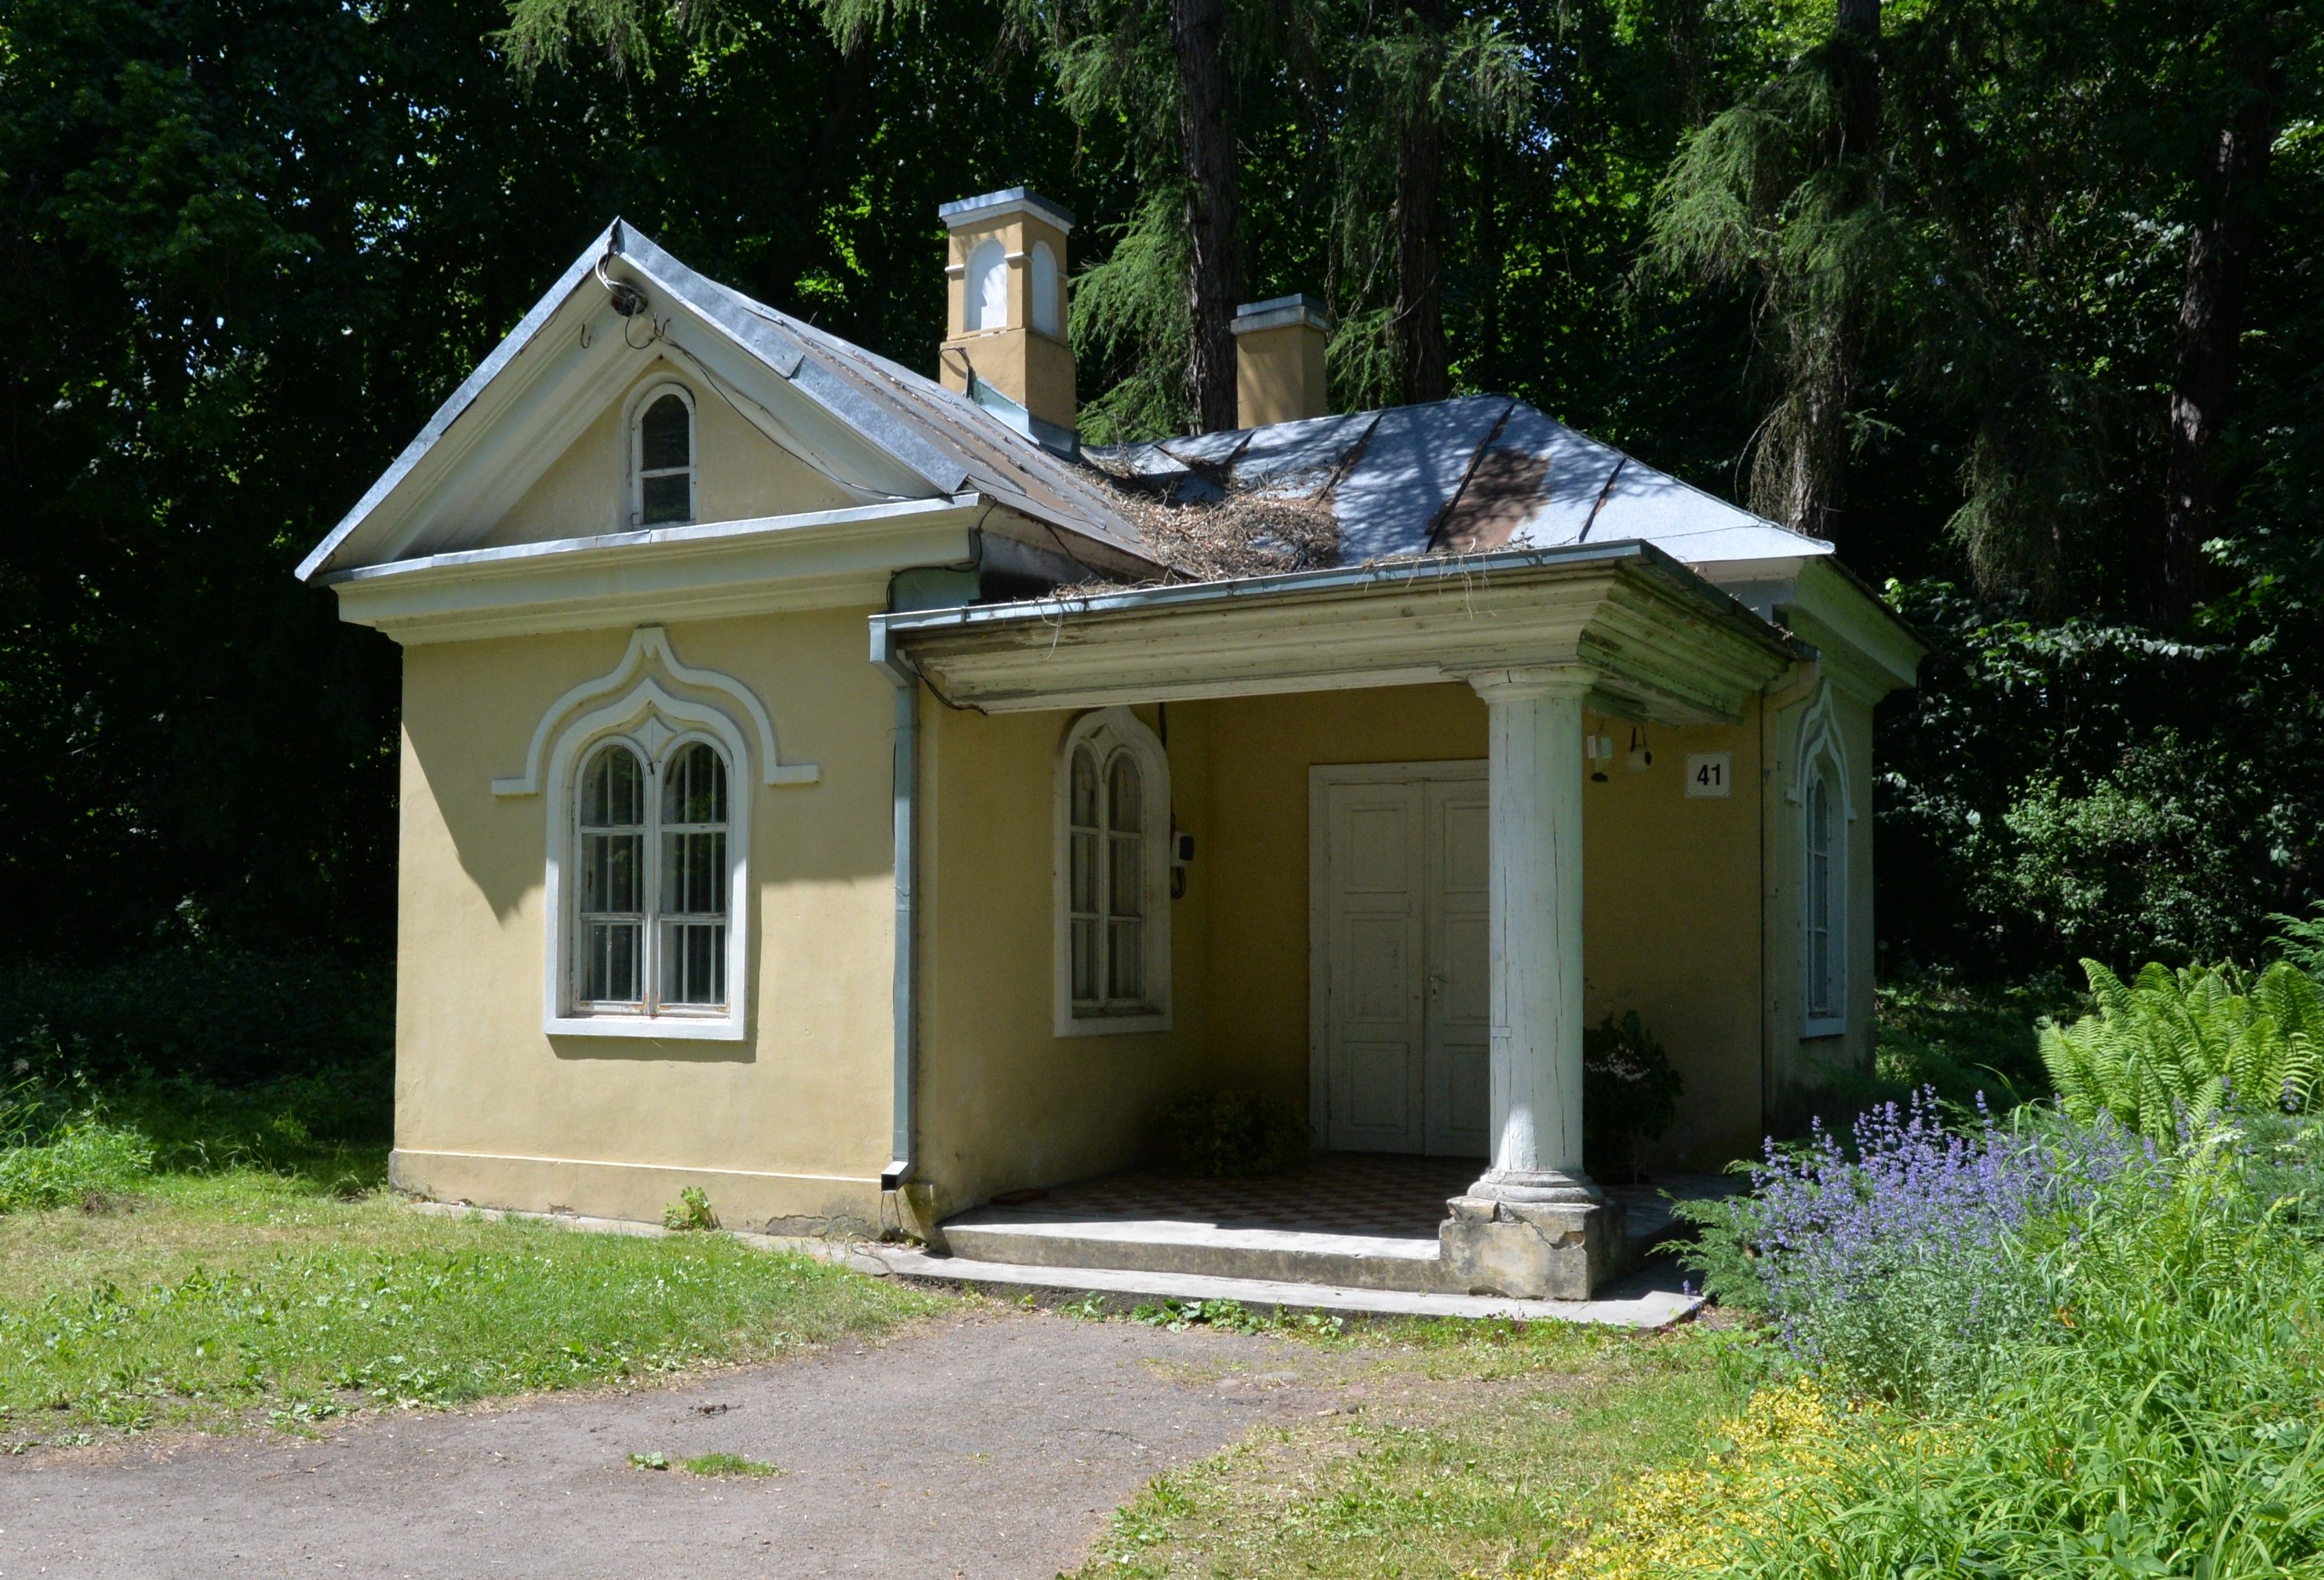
(1279, 360)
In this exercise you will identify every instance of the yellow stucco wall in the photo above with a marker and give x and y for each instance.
(1669, 886)
(1004, 1101)
(740, 474)
(787, 1128)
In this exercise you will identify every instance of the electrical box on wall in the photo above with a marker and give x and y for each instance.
(1710, 773)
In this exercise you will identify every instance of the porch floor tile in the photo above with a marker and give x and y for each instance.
(1371, 1194)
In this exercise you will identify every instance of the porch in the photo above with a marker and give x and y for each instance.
(1377, 785)
(1354, 1225)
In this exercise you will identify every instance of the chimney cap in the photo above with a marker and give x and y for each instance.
(1001, 205)
(1281, 312)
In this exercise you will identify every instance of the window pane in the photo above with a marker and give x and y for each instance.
(609, 967)
(614, 789)
(1086, 976)
(696, 788)
(667, 498)
(1084, 803)
(609, 866)
(664, 435)
(1124, 811)
(1125, 960)
(1084, 888)
(1126, 879)
(694, 874)
(693, 963)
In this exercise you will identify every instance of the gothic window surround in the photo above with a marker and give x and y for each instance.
(1112, 877)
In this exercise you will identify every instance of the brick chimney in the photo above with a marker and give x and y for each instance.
(1279, 360)
(1005, 345)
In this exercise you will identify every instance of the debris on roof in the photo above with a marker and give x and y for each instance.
(1464, 476)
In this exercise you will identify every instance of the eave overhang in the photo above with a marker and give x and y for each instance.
(1665, 645)
(823, 559)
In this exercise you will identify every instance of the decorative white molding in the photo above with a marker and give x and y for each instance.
(1107, 728)
(650, 644)
(657, 724)
(1819, 736)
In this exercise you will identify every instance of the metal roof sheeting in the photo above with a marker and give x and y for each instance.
(1471, 474)
(1467, 476)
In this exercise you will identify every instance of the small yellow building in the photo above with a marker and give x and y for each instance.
(818, 790)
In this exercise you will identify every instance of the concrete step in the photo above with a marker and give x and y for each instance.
(1650, 1299)
(1027, 1237)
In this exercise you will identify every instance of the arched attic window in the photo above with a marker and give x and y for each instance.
(1113, 922)
(662, 458)
(988, 286)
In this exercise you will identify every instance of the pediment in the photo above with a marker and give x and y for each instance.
(503, 459)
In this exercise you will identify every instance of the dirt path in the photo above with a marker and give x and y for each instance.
(989, 1445)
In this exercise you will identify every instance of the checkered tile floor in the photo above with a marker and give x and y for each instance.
(1340, 1193)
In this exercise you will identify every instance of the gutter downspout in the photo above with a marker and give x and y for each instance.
(907, 682)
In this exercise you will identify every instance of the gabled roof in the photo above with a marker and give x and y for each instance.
(879, 430)
(1465, 476)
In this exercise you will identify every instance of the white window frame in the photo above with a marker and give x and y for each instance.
(1820, 754)
(1106, 733)
(656, 725)
(640, 402)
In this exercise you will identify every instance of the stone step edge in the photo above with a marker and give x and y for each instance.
(1654, 1311)
(1249, 1258)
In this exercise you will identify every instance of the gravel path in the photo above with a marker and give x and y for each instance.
(992, 1443)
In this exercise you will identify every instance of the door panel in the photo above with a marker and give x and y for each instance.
(1375, 1028)
(1458, 909)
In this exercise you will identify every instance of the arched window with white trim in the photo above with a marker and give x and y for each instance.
(988, 286)
(652, 873)
(1823, 989)
(662, 458)
(1113, 933)
(1819, 789)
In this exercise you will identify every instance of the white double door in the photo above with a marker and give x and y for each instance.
(1403, 934)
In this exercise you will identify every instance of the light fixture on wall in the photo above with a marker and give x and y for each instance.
(1642, 756)
(1599, 750)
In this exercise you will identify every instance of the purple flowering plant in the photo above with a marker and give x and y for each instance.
(1899, 1260)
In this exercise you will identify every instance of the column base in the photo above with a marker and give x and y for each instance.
(1532, 1249)
(1535, 1184)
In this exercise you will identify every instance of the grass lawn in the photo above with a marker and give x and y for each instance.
(1463, 1448)
(215, 1300)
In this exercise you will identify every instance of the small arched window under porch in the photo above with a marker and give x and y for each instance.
(1112, 877)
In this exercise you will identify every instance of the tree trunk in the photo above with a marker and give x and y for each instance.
(1214, 273)
(1423, 362)
(1811, 483)
(2210, 320)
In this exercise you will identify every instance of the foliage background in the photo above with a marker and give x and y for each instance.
(250, 243)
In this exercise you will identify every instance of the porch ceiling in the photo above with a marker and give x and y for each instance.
(1665, 645)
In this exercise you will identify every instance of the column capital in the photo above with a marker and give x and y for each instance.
(1560, 680)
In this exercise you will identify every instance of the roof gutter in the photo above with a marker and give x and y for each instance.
(903, 1158)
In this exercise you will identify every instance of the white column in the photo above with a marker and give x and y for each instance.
(1536, 935)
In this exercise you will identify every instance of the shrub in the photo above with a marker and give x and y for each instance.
(2169, 1049)
(1900, 1271)
(1234, 1135)
(1628, 1090)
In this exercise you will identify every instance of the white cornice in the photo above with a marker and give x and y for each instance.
(1664, 647)
(839, 558)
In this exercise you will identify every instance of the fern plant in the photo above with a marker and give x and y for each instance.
(2173, 1048)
